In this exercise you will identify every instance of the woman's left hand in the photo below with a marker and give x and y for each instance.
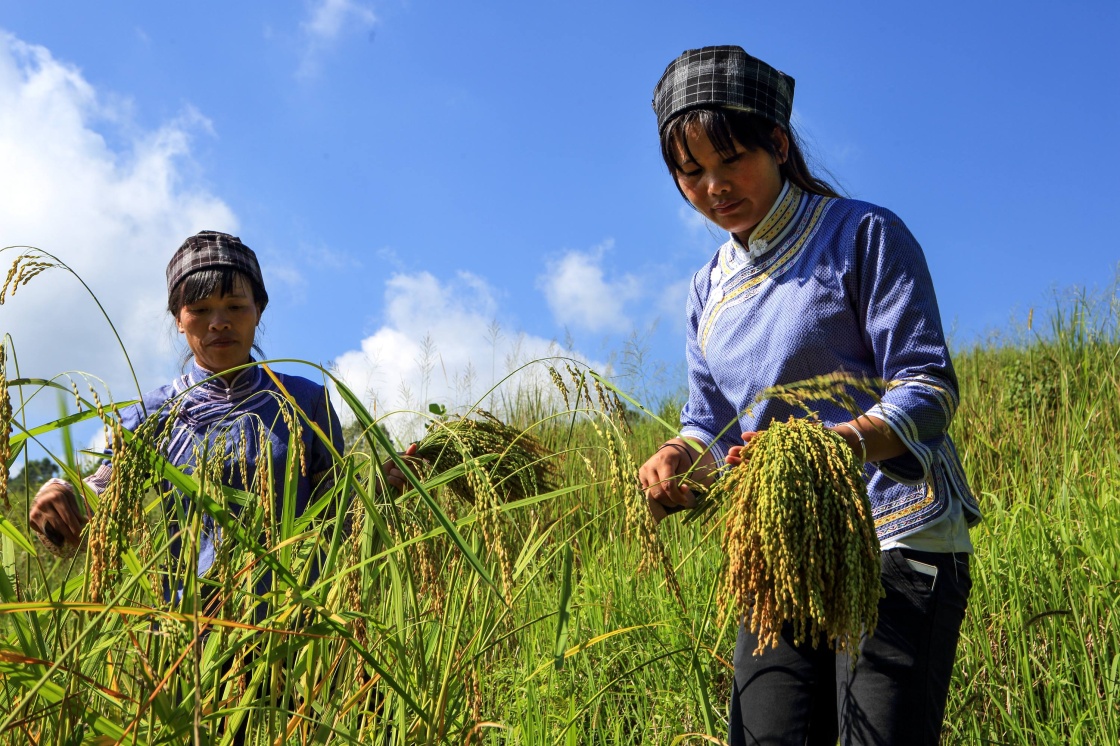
(735, 453)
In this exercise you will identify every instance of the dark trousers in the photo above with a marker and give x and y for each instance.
(895, 695)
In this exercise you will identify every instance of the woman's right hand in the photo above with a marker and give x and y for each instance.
(393, 474)
(55, 514)
(660, 478)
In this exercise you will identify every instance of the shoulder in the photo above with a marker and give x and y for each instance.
(155, 403)
(306, 392)
(856, 213)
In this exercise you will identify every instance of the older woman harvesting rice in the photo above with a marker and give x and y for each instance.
(223, 408)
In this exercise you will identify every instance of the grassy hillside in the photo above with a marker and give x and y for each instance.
(522, 618)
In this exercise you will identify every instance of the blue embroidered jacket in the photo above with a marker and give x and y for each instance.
(208, 413)
(840, 285)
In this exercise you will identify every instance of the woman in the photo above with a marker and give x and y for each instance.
(808, 284)
(216, 295)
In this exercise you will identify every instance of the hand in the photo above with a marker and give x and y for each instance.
(55, 517)
(393, 474)
(735, 453)
(660, 478)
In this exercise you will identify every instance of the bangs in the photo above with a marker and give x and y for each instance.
(726, 127)
(205, 282)
(723, 128)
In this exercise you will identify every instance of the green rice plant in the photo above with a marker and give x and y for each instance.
(378, 617)
(1039, 658)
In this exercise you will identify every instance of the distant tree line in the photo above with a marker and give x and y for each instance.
(35, 473)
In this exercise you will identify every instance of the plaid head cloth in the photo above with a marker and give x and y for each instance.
(726, 77)
(212, 249)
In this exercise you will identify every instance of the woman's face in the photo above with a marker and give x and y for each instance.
(219, 329)
(734, 191)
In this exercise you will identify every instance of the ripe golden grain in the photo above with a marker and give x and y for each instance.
(523, 467)
(800, 539)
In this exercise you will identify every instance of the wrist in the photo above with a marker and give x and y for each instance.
(681, 448)
(854, 438)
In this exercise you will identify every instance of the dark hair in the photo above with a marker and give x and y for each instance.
(725, 127)
(198, 285)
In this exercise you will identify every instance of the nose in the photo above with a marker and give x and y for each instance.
(718, 184)
(219, 320)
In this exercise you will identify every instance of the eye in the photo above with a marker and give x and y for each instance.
(690, 174)
(732, 159)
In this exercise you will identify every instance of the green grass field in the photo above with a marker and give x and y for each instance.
(403, 623)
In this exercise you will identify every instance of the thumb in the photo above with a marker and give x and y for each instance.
(411, 450)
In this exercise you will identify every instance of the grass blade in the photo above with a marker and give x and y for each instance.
(564, 614)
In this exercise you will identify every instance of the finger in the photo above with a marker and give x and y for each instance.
(657, 510)
(75, 507)
(657, 486)
(686, 497)
(749, 435)
(412, 449)
(70, 519)
(669, 491)
(53, 535)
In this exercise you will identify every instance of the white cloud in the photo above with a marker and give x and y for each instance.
(441, 343)
(112, 213)
(327, 21)
(580, 295)
(671, 302)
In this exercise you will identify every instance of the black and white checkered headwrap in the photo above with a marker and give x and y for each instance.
(212, 249)
(726, 77)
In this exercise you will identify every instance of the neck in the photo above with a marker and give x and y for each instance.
(765, 225)
(226, 375)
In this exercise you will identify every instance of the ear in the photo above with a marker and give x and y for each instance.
(179, 323)
(781, 143)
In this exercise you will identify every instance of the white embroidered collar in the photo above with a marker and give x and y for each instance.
(759, 242)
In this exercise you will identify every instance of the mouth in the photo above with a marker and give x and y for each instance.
(222, 342)
(723, 208)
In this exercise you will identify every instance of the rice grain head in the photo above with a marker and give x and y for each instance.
(522, 467)
(800, 539)
(119, 524)
(24, 269)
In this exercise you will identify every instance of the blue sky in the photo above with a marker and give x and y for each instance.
(486, 176)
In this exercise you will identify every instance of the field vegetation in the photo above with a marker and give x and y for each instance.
(511, 600)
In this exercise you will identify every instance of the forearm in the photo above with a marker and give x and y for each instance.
(878, 439)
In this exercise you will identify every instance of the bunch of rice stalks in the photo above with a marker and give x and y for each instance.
(118, 524)
(800, 538)
(516, 464)
(501, 464)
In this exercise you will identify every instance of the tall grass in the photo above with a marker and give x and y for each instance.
(387, 619)
(1039, 431)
